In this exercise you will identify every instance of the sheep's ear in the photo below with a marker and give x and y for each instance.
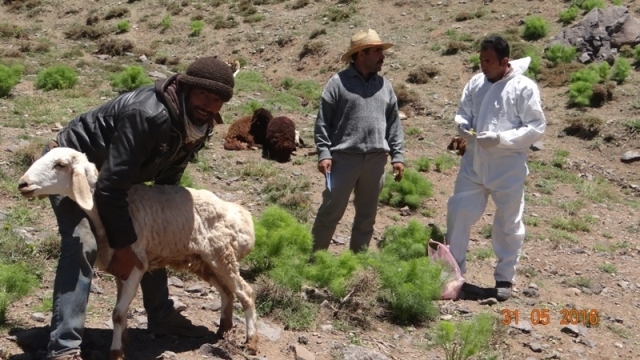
(80, 189)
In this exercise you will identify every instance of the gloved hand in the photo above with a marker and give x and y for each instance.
(488, 139)
(464, 130)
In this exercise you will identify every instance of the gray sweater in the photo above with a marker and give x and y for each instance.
(358, 116)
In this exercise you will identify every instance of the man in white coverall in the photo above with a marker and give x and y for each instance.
(500, 115)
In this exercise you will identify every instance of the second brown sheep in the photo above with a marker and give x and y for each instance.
(248, 131)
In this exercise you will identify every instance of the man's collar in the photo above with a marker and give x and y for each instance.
(353, 72)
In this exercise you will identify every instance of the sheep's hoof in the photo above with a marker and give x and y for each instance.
(225, 326)
(252, 345)
(116, 355)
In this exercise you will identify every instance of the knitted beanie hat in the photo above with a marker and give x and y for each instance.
(211, 74)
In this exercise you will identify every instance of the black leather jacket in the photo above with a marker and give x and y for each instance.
(132, 139)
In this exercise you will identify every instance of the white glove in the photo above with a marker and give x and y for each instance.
(488, 139)
(464, 131)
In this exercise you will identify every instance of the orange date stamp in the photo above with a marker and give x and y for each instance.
(536, 316)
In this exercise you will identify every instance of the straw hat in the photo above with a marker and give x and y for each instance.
(362, 40)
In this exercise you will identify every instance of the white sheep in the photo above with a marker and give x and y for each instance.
(178, 227)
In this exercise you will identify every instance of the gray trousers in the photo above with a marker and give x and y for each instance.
(364, 175)
(73, 279)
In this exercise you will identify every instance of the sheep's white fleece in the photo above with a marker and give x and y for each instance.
(180, 227)
(164, 216)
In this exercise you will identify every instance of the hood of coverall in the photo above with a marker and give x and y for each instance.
(519, 67)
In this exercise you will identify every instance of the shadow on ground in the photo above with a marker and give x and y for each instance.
(96, 343)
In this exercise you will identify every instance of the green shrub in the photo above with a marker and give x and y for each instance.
(409, 288)
(16, 281)
(408, 192)
(462, 340)
(569, 15)
(423, 164)
(535, 27)
(280, 240)
(56, 77)
(602, 69)
(592, 74)
(333, 272)
(620, 70)
(588, 5)
(131, 78)
(444, 162)
(406, 242)
(196, 27)
(535, 66)
(9, 77)
(580, 93)
(616, 2)
(559, 53)
(123, 26)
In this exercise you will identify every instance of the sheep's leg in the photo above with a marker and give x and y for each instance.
(126, 292)
(226, 308)
(229, 277)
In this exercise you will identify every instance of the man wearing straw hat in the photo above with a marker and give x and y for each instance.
(357, 126)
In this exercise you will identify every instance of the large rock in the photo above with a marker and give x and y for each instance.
(353, 352)
(600, 33)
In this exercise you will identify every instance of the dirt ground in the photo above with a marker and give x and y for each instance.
(551, 268)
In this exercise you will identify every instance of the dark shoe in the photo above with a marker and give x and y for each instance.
(473, 292)
(503, 290)
(176, 324)
(74, 355)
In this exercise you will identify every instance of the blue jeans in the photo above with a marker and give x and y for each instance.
(73, 279)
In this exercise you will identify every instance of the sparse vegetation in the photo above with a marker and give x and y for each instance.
(299, 4)
(315, 47)
(393, 281)
(406, 96)
(16, 281)
(114, 47)
(422, 74)
(462, 340)
(118, 12)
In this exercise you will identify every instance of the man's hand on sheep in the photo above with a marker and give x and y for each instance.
(123, 261)
(398, 171)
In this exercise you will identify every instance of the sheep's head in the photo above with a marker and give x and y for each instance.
(262, 117)
(61, 171)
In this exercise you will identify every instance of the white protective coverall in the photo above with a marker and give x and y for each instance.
(512, 108)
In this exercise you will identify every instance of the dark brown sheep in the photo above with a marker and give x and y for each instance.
(248, 131)
(458, 144)
(281, 139)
